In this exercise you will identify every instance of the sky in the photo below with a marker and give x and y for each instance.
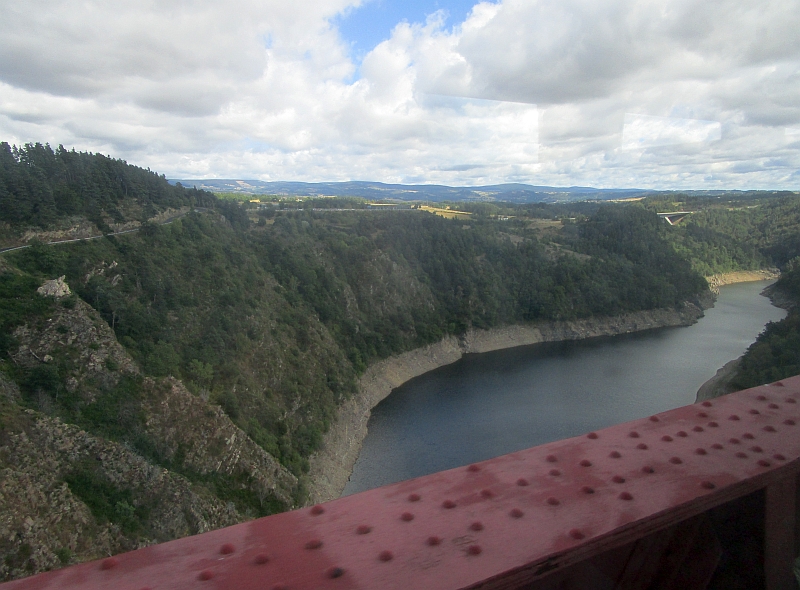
(677, 94)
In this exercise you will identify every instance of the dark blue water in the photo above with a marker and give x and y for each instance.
(495, 403)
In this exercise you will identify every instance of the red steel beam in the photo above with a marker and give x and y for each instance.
(509, 522)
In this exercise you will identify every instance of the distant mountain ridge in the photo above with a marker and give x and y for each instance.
(514, 193)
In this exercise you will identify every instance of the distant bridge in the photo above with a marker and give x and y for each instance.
(675, 217)
(703, 492)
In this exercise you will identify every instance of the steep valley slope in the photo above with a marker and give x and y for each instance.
(219, 362)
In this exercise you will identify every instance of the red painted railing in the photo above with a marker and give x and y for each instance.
(631, 506)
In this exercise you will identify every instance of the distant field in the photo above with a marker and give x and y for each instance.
(255, 198)
(446, 213)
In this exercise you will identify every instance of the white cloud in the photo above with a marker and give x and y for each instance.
(265, 89)
(644, 131)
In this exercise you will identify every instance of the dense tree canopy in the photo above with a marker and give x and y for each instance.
(39, 185)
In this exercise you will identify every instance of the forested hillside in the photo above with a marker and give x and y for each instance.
(214, 344)
(776, 353)
(736, 232)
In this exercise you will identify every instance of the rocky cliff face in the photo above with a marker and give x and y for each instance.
(72, 493)
(202, 439)
(332, 465)
(44, 522)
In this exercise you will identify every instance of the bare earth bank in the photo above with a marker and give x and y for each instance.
(332, 465)
(720, 384)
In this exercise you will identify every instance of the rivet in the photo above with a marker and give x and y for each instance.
(516, 513)
(779, 457)
(586, 463)
(734, 417)
(487, 493)
(698, 429)
(702, 415)
(654, 419)
(633, 434)
(734, 441)
(314, 544)
(555, 472)
(762, 398)
(553, 501)
(675, 460)
(205, 575)
(433, 541)
(407, 517)
(700, 451)
(227, 549)
(109, 563)
(448, 504)
(741, 455)
(748, 436)
(774, 407)
(790, 400)
(473, 468)
(317, 510)
(707, 404)
(576, 534)
(618, 479)
(789, 422)
(682, 434)
(717, 446)
(625, 496)
(707, 485)
(385, 556)
(614, 455)
(592, 435)
(587, 490)
(757, 449)
(522, 481)
(413, 498)
(764, 463)
(779, 384)
(713, 424)
(476, 526)
(641, 447)
(334, 572)
(551, 458)
(648, 469)
(474, 549)
(666, 438)
(754, 411)
(261, 559)
(363, 529)
(769, 428)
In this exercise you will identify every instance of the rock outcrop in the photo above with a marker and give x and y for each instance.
(174, 491)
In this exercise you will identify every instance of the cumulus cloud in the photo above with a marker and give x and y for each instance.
(643, 131)
(522, 90)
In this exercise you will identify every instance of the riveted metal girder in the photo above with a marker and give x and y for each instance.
(503, 523)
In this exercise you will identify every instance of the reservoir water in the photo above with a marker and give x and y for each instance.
(490, 404)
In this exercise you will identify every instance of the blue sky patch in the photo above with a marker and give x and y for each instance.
(365, 27)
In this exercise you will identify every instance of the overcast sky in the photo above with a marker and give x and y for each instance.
(699, 94)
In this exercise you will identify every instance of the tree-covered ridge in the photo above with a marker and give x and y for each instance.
(275, 323)
(738, 232)
(775, 354)
(39, 185)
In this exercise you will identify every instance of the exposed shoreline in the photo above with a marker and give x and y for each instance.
(332, 465)
(741, 276)
(720, 383)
